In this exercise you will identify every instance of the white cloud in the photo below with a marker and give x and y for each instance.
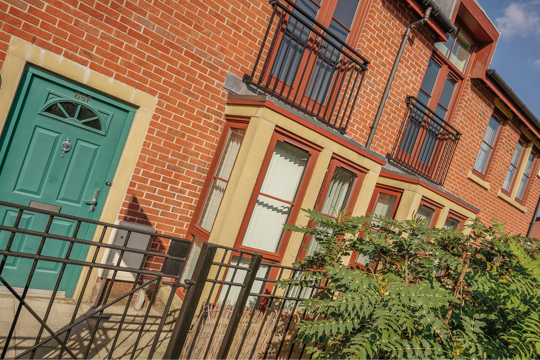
(537, 63)
(520, 18)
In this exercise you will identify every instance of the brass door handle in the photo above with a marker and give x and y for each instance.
(93, 202)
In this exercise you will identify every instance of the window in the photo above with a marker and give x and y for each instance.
(214, 189)
(454, 221)
(75, 112)
(216, 183)
(437, 88)
(436, 93)
(429, 211)
(192, 259)
(445, 70)
(451, 223)
(457, 49)
(520, 196)
(278, 194)
(514, 164)
(229, 294)
(220, 178)
(339, 192)
(385, 201)
(488, 145)
(296, 47)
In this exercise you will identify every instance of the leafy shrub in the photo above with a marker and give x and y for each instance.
(429, 293)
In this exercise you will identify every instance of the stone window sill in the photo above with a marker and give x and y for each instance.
(479, 181)
(512, 202)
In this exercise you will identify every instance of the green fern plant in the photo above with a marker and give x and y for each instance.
(431, 293)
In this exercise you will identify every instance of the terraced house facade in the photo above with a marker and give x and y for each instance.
(217, 121)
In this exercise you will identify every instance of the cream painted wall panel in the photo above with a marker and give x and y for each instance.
(410, 201)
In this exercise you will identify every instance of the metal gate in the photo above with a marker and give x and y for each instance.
(233, 307)
(34, 320)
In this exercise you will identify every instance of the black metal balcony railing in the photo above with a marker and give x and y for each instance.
(426, 143)
(306, 66)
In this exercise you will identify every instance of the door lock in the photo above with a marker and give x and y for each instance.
(93, 202)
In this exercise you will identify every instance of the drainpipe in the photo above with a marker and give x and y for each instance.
(393, 74)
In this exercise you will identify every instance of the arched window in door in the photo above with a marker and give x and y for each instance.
(76, 112)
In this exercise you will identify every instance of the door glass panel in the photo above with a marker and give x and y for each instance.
(345, 11)
(431, 76)
(94, 124)
(426, 213)
(338, 30)
(293, 43)
(55, 109)
(75, 111)
(70, 108)
(86, 114)
(423, 97)
(447, 92)
(441, 111)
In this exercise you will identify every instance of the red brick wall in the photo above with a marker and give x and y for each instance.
(536, 230)
(181, 51)
(472, 116)
(379, 43)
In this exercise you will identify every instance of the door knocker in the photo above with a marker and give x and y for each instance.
(66, 146)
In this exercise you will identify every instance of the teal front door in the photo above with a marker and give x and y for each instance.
(59, 149)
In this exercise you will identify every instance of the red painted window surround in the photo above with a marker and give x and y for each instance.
(312, 151)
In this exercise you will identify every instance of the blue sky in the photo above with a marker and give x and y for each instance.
(517, 58)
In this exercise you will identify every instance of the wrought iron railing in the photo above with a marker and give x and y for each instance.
(29, 244)
(426, 143)
(306, 66)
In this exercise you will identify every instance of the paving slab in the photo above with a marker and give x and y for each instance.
(60, 316)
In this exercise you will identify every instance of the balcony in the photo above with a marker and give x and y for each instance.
(306, 66)
(426, 143)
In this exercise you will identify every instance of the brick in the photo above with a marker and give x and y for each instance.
(24, 16)
(18, 33)
(17, 3)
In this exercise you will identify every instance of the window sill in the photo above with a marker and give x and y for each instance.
(479, 181)
(512, 202)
